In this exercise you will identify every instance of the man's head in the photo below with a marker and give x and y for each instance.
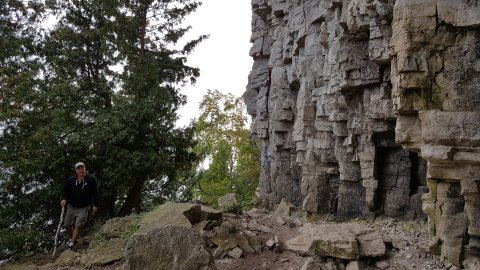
(80, 169)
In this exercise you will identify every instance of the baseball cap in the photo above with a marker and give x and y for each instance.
(78, 164)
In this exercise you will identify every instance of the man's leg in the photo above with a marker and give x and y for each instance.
(75, 233)
(69, 223)
(69, 231)
(80, 220)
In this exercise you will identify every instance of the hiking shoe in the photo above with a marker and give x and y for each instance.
(70, 244)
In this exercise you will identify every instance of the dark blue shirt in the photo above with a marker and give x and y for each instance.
(81, 193)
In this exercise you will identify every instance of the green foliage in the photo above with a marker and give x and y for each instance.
(101, 86)
(132, 227)
(236, 209)
(230, 157)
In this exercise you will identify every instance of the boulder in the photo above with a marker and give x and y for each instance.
(283, 212)
(344, 241)
(325, 240)
(370, 242)
(100, 252)
(119, 227)
(227, 201)
(182, 214)
(70, 258)
(235, 253)
(105, 252)
(168, 247)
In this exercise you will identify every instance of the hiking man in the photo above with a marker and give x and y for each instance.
(79, 194)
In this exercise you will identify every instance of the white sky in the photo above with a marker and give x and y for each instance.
(223, 58)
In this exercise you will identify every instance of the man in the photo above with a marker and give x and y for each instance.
(79, 194)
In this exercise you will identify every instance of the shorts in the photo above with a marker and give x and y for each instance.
(75, 216)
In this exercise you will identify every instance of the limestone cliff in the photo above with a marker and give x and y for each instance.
(368, 107)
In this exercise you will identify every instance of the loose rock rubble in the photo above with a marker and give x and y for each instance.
(252, 240)
(388, 244)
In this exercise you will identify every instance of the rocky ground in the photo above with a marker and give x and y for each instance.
(406, 246)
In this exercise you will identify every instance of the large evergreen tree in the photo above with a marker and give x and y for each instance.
(20, 43)
(105, 91)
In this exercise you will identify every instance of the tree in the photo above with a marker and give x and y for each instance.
(19, 84)
(76, 106)
(231, 158)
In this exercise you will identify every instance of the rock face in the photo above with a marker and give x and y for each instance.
(368, 107)
(436, 78)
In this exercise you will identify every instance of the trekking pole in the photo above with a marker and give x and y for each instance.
(58, 230)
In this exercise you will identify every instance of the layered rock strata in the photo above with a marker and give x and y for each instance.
(368, 107)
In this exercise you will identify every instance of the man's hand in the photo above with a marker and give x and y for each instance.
(63, 203)
(94, 209)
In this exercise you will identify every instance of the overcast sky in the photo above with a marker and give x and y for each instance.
(223, 58)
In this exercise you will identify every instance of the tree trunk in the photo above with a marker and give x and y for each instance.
(107, 204)
(134, 198)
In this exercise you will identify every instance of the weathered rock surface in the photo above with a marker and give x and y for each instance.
(118, 227)
(368, 107)
(165, 239)
(344, 241)
(104, 249)
(227, 201)
(232, 235)
(182, 214)
(168, 247)
(283, 212)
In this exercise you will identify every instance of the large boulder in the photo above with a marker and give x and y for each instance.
(227, 201)
(70, 258)
(105, 252)
(344, 241)
(119, 227)
(169, 247)
(325, 240)
(182, 214)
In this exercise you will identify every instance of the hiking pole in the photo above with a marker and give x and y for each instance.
(58, 230)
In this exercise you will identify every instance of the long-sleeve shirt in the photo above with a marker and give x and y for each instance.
(81, 193)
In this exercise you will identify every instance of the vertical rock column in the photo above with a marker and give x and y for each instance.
(319, 93)
(270, 100)
(436, 78)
